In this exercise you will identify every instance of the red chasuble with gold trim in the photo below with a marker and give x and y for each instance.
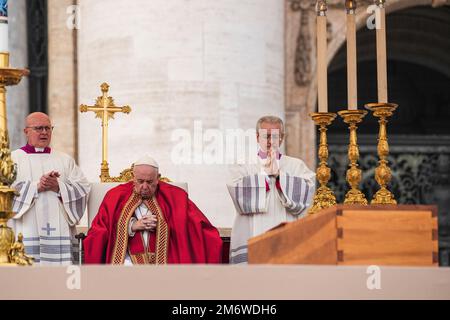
(183, 233)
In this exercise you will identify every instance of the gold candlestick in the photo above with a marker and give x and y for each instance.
(354, 195)
(8, 77)
(324, 196)
(383, 172)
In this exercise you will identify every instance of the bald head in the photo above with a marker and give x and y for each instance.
(38, 129)
(34, 117)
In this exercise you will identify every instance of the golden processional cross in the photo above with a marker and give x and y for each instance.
(105, 109)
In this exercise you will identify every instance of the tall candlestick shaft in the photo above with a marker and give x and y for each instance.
(4, 46)
(352, 83)
(381, 53)
(322, 81)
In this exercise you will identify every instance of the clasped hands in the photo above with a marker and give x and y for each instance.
(146, 223)
(270, 166)
(49, 182)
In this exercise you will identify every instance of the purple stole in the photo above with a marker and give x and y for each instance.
(30, 149)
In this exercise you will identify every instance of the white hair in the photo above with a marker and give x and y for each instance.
(270, 119)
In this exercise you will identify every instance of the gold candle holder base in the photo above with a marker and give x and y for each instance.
(383, 173)
(354, 174)
(324, 196)
(6, 233)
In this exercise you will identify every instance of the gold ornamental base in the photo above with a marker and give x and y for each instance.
(12, 253)
(7, 237)
(354, 174)
(324, 196)
(383, 173)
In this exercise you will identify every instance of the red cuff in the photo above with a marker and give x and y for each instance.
(277, 183)
(267, 186)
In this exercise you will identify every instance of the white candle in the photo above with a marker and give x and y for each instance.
(4, 26)
(381, 53)
(322, 56)
(352, 84)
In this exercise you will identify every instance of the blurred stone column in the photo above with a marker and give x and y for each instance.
(17, 96)
(62, 78)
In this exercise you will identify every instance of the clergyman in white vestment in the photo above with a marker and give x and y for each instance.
(274, 189)
(53, 196)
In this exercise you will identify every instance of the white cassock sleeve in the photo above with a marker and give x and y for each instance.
(297, 190)
(25, 200)
(74, 192)
(296, 193)
(247, 190)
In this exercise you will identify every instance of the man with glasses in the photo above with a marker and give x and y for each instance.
(273, 189)
(52, 195)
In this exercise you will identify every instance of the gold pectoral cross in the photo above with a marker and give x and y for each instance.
(105, 109)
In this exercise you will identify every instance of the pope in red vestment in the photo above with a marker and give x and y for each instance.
(180, 234)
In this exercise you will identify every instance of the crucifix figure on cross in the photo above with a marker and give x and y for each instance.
(105, 109)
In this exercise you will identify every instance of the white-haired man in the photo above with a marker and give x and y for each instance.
(147, 221)
(274, 189)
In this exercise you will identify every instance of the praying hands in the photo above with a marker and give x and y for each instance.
(49, 182)
(271, 165)
(147, 223)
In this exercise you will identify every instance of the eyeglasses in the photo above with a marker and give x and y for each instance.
(270, 136)
(41, 129)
